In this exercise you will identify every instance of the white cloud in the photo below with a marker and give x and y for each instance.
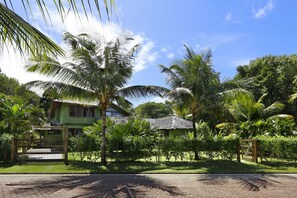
(12, 63)
(145, 56)
(213, 41)
(262, 12)
(168, 52)
(228, 17)
(170, 55)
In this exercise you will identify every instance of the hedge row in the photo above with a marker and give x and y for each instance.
(133, 148)
(277, 147)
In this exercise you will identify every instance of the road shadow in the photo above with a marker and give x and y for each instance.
(250, 182)
(108, 185)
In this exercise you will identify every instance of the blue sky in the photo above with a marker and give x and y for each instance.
(236, 31)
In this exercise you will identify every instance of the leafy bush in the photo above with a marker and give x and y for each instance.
(212, 147)
(85, 147)
(5, 146)
(277, 147)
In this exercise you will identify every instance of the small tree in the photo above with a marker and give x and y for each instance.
(153, 110)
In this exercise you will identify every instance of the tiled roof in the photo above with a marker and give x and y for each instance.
(171, 122)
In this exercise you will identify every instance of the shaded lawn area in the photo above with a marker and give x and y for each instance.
(202, 166)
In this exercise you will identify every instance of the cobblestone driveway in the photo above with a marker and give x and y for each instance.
(148, 185)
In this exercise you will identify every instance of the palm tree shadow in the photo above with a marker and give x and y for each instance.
(109, 185)
(250, 182)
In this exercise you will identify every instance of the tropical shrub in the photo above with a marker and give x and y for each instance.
(5, 146)
(85, 147)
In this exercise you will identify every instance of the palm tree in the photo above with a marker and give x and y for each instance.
(193, 83)
(243, 106)
(25, 37)
(246, 113)
(99, 71)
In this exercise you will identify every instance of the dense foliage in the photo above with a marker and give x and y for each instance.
(153, 110)
(19, 111)
(277, 147)
(5, 148)
(274, 75)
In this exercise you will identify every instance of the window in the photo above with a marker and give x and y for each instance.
(80, 111)
(113, 114)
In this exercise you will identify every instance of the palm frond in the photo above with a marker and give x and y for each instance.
(23, 36)
(61, 90)
(281, 116)
(262, 97)
(292, 98)
(276, 107)
(238, 93)
(189, 53)
(172, 79)
(121, 101)
(181, 95)
(142, 91)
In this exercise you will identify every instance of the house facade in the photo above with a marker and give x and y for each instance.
(76, 114)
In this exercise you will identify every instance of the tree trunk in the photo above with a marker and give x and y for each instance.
(195, 134)
(14, 150)
(103, 138)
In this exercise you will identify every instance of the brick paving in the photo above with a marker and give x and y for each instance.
(148, 185)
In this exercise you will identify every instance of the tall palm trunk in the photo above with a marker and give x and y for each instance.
(103, 138)
(195, 134)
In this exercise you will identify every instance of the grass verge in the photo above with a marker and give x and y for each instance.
(202, 166)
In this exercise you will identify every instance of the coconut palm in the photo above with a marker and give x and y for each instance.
(98, 71)
(248, 114)
(243, 106)
(193, 83)
(25, 37)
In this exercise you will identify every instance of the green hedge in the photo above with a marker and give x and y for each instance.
(178, 148)
(133, 148)
(278, 147)
(5, 147)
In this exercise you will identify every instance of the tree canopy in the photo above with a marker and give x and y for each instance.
(274, 75)
(153, 110)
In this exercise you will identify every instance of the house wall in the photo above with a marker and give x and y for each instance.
(62, 115)
(177, 133)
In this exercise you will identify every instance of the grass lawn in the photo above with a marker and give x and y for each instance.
(202, 166)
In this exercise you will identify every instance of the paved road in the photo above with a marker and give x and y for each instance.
(148, 185)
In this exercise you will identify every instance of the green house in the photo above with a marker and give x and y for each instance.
(76, 114)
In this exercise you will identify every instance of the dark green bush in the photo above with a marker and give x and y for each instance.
(277, 147)
(178, 147)
(5, 146)
(85, 147)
